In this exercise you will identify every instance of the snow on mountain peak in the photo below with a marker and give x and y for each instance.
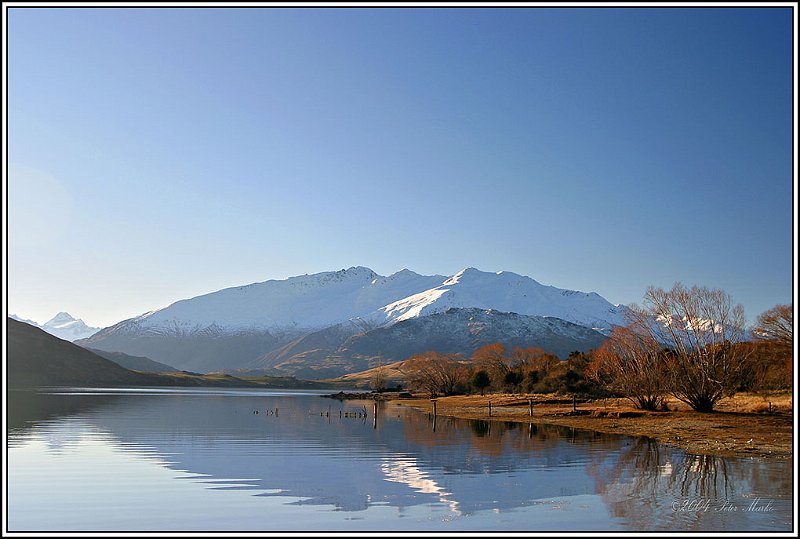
(301, 302)
(507, 292)
(405, 272)
(64, 326)
(476, 276)
(60, 319)
(315, 301)
(462, 275)
(358, 273)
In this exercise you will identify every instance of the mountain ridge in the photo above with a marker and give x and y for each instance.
(315, 301)
(62, 325)
(454, 331)
(301, 321)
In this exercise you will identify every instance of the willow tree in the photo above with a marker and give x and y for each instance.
(438, 374)
(700, 328)
(773, 336)
(775, 326)
(632, 363)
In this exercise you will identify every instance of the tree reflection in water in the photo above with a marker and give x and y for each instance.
(398, 459)
(652, 486)
(479, 428)
(646, 485)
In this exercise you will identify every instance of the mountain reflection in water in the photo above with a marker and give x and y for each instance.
(298, 448)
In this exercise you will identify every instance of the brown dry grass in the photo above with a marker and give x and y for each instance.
(738, 427)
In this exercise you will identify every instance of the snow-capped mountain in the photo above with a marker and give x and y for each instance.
(233, 327)
(298, 303)
(64, 326)
(506, 292)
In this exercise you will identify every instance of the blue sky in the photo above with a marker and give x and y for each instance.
(158, 154)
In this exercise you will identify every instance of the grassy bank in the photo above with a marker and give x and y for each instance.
(741, 426)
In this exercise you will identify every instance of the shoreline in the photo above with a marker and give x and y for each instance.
(731, 431)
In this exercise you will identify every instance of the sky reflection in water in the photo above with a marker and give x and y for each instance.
(204, 460)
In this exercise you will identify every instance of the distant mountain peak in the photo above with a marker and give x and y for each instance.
(60, 318)
(474, 275)
(353, 273)
(465, 273)
(359, 269)
(65, 326)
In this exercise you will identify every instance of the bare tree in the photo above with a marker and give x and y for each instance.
(700, 327)
(532, 358)
(492, 358)
(379, 379)
(631, 362)
(434, 372)
(770, 369)
(775, 325)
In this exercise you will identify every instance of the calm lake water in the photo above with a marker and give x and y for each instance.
(203, 460)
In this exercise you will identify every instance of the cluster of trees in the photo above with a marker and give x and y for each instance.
(531, 370)
(495, 368)
(690, 343)
(773, 336)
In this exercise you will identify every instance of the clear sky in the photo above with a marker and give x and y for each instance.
(159, 154)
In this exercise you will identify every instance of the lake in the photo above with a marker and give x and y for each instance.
(227, 460)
